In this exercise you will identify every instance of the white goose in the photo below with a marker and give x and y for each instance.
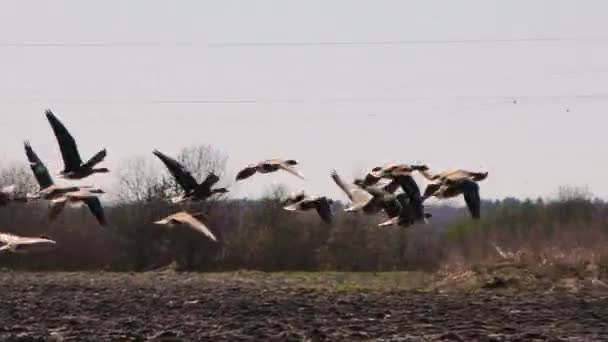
(21, 245)
(191, 220)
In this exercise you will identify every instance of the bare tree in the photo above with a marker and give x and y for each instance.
(20, 176)
(139, 180)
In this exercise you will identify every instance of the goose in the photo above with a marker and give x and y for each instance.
(369, 199)
(193, 191)
(77, 198)
(59, 196)
(7, 195)
(21, 245)
(449, 188)
(301, 202)
(48, 189)
(191, 220)
(268, 166)
(74, 168)
(455, 182)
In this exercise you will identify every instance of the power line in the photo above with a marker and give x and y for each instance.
(326, 100)
(401, 42)
(144, 44)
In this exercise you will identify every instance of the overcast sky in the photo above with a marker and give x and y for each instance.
(419, 81)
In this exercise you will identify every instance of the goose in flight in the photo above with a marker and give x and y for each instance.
(21, 245)
(268, 166)
(48, 189)
(77, 198)
(370, 199)
(455, 182)
(191, 220)
(192, 189)
(449, 188)
(302, 202)
(74, 168)
(61, 195)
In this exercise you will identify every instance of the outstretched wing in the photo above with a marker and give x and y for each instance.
(67, 144)
(471, 197)
(292, 171)
(96, 159)
(409, 185)
(246, 172)
(177, 170)
(197, 225)
(96, 209)
(359, 197)
(341, 184)
(41, 173)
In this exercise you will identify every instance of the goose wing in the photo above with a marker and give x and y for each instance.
(210, 181)
(409, 186)
(196, 225)
(67, 144)
(347, 190)
(96, 209)
(359, 197)
(471, 197)
(41, 173)
(246, 172)
(324, 209)
(291, 170)
(177, 170)
(96, 159)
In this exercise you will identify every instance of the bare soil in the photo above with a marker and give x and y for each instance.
(286, 307)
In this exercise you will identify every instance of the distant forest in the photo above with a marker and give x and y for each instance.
(260, 235)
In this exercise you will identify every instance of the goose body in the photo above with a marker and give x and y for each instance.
(190, 220)
(74, 168)
(78, 198)
(301, 202)
(193, 191)
(453, 174)
(269, 166)
(21, 245)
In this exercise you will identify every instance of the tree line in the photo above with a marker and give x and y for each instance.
(259, 234)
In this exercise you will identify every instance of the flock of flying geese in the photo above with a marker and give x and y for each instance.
(390, 189)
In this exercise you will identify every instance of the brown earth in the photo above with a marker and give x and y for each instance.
(285, 307)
